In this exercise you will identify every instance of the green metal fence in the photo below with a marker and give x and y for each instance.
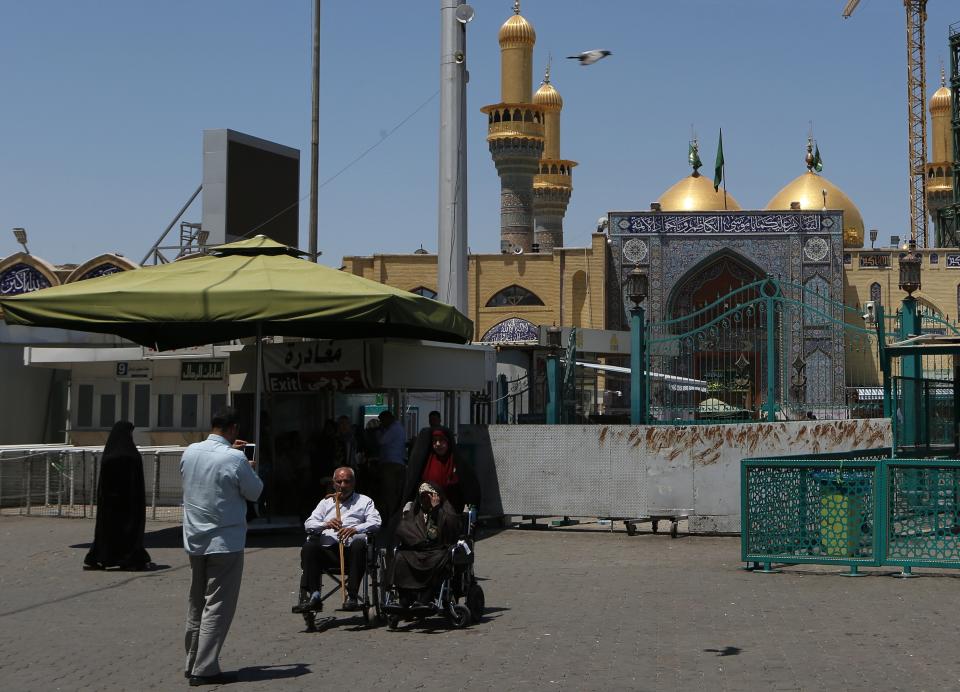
(858, 509)
(769, 350)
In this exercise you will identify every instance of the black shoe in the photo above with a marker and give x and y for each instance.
(218, 679)
(351, 604)
(312, 604)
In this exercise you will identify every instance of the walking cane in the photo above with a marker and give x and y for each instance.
(343, 588)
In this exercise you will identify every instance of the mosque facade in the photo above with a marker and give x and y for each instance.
(695, 242)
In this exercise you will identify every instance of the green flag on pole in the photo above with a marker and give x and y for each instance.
(718, 166)
(817, 161)
(694, 156)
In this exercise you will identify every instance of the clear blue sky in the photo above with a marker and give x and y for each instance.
(104, 104)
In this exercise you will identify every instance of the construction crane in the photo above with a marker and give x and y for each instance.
(916, 114)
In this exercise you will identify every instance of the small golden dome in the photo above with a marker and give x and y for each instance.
(940, 101)
(807, 189)
(696, 193)
(517, 31)
(548, 97)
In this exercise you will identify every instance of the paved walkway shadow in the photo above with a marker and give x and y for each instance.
(261, 673)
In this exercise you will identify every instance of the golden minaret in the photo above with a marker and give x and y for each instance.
(940, 164)
(554, 184)
(515, 133)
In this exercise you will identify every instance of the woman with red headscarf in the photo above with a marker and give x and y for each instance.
(434, 459)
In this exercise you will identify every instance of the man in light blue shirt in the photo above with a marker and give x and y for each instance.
(217, 483)
(393, 465)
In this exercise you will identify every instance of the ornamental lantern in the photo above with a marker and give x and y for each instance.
(636, 286)
(910, 270)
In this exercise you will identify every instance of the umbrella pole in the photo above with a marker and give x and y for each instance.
(256, 408)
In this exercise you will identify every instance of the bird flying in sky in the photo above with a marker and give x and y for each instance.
(588, 57)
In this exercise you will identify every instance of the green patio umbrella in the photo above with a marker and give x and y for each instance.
(245, 288)
(253, 287)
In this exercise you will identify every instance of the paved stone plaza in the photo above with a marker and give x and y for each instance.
(569, 610)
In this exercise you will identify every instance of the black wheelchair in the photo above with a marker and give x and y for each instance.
(368, 596)
(458, 595)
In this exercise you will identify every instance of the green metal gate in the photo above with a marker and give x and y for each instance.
(769, 350)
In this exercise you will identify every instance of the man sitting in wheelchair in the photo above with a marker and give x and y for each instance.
(358, 519)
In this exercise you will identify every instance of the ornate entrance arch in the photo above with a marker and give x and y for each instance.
(718, 275)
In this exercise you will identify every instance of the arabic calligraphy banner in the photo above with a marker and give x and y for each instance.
(313, 366)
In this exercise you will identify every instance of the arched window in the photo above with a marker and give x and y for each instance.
(512, 296)
(875, 292)
(506, 116)
(517, 115)
(424, 291)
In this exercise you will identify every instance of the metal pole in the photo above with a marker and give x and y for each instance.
(166, 230)
(94, 507)
(256, 416)
(29, 479)
(156, 484)
(452, 208)
(315, 131)
(911, 372)
(73, 482)
(638, 378)
(60, 486)
(46, 481)
(771, 361)
(554, 388)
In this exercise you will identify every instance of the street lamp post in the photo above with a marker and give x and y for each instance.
(637, 293)
(21, 235)
(911, 368)
(554, 386)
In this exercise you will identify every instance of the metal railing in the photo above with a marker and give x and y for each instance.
(858, 509)
(62, 482)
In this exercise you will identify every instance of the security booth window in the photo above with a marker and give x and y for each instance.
(141, 406)
(188, 411)
(108, 410)
(165, 410)
(85, 406)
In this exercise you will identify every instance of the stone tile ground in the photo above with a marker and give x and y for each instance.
(569, 610)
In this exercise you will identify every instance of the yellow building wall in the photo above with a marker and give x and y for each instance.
(938, 293)
(569, 281)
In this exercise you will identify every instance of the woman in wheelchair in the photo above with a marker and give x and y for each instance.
(425, 536)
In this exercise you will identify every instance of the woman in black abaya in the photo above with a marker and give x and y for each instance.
(425, 535)
(121, 506)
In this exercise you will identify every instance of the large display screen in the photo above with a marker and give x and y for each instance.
(250, 186)
(262, 192)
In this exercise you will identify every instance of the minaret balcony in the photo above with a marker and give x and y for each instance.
(509, 120)
(555, 172)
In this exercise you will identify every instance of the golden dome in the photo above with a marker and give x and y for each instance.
(940, 101)
(696, 193)
(807, 189)
(548, 97)
(517, 31)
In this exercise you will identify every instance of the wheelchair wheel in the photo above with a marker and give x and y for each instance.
(476, 602)
(459, 615)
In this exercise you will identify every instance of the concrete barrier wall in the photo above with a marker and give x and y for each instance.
(627, 471)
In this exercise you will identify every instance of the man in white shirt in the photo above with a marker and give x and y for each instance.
(358, 519)
(217, 483)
